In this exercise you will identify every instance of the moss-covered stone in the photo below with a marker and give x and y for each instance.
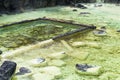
(56, 63)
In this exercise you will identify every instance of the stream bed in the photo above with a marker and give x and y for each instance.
(57, 61)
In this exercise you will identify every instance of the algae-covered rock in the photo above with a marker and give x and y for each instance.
(51, 70)
(40, 76)
(1, 52)
(59, 55)
(100, 33)
(78, 44)
(79, 54)
(38, 62)
(47, 73)
(88, 69)
(56, 63)
(23, 70)
(93, 45)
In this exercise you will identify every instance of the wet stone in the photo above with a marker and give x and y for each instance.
(38, 62)
(83, 67)
(100, 32)
(23, 70)
(7, 70)
(86, 69)
(74, 10)
(1, 52)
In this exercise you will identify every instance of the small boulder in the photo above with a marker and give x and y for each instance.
(23, 70)
(86, 69)
(74, 10)
(7, 70)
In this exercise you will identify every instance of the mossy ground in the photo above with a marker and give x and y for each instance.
(106, 56)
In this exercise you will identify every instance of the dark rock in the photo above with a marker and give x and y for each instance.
(23, 70)
(74, 10)
(79, 5)
(118, 30)
(1, 52)
(7, 70)
(83, 67)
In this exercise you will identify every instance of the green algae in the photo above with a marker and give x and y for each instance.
(106, 56)
(97, 56)
(22, 34)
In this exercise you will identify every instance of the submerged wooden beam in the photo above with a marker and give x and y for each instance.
(46, 19)
(73, 32)
(23, 49)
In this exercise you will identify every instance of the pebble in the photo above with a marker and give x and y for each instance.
(23, 70)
